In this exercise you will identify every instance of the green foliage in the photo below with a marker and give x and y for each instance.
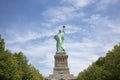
(105, 68)
(15, 66)
(2, 44)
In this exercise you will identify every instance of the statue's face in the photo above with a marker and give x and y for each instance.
(59, 31)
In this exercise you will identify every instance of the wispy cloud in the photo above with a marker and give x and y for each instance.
(103, 4)
(77, 3)
(29, 36)
(104, 24)
(82, 54)
(98, 4)
(44, 33)
(61, 14)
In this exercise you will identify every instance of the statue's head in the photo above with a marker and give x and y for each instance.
(59, 31)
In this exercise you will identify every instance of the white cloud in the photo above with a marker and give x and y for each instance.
(72, 29)
(82, 54)
(61, 14)
(57, 14)
(103, 30)
(78, 3)
(30, 35)
(104, 24)
(114, 25)
(103, 4)
(99, 4)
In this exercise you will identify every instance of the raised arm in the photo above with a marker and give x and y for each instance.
(63, 29)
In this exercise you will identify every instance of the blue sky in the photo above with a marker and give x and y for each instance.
(92, 28)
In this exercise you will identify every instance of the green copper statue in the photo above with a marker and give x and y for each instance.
(60, 40)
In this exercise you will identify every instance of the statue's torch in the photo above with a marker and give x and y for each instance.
(63, 27)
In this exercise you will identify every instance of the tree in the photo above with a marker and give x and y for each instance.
(112, 64)
(14, 66)
(2, 44)
(105, 68)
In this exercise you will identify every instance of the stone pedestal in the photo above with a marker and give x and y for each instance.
(61, 70)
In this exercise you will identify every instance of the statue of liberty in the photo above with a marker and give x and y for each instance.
(60, 40)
